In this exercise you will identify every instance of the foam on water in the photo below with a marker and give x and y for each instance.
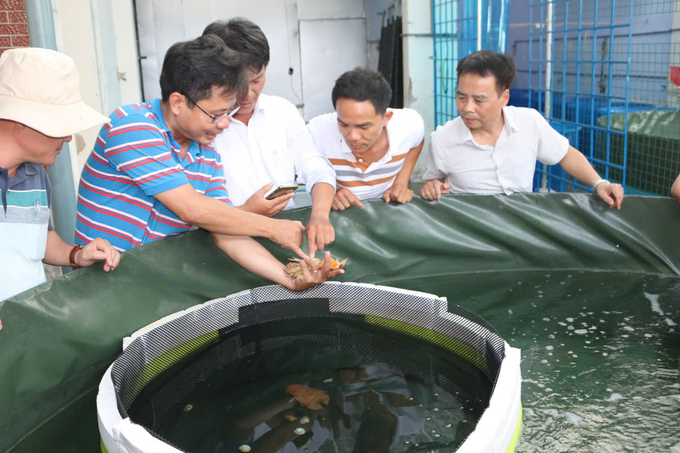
(654, 300)
(656, 308)
(615, 397)
(572, 418)
(615, 353)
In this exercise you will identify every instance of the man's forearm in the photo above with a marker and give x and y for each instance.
(252, 256)
(214, 215)
(404, 174)
(576, 164)
(57, 251)
(218, 217)
(322, 200)
(675, 190)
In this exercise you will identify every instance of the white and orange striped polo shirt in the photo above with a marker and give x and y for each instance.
(404, 131)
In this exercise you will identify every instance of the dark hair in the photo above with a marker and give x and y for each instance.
(246, 38)
(361, 84)
(485, 62)
(195, 68)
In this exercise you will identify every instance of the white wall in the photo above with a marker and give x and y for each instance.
(101, 41)
(327, 9)
(419, 70)
(165, 22)
(330, 33)
(332, 41)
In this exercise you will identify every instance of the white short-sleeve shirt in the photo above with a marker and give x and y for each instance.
(405, 131)
(274, 147)
(507, 167)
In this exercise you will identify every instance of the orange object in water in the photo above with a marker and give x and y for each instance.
(308, 397)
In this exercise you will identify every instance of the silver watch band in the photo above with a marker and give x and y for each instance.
(598, 182)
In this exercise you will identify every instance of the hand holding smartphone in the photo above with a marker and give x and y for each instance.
(281, 190)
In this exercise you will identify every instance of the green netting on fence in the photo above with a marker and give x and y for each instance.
(653, 149)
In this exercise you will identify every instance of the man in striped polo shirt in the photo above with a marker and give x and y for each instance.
(373, 149)
(40, 108)
(153, 171)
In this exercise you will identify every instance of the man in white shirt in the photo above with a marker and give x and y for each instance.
(373, 149)
(267, 143)
(492, 148)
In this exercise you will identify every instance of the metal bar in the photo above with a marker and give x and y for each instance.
(548, 68)
(564, 55)
(625, 128)
(564, 65)
(622, 35)
(621, 98)
(531, 46)
(41, 34)
(600, 28)
(540, 47)
(595, 128)
(452, 48)
(424, 35)
(479, 25)
(434, 56)
(609, 89)
(576, 61)
(578, 66)
(592, 83)
(609, 164)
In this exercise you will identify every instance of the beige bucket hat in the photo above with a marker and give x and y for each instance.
(41, 89)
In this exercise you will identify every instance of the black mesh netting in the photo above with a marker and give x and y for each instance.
(402, 372)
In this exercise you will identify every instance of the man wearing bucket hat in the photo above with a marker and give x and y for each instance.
(40, 109)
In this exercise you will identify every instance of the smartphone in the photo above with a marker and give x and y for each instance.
(283, 189)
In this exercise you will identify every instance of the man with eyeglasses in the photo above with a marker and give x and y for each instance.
(268, 144)
(153, 171)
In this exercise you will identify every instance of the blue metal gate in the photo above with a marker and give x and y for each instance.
(579, 73)
(605, 73)
(461, 27)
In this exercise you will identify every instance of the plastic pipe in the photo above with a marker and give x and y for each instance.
(41, 32)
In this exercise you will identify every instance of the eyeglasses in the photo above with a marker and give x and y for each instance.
(217, 118)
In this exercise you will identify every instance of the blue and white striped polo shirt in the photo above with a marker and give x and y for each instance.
(135, 158)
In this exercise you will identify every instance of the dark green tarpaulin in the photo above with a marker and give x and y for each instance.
(58, 338)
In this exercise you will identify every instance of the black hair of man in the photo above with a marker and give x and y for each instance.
(485, 63)
(361, 84)
(246, 38)
(200, 67)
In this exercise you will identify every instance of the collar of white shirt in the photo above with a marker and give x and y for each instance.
(259, 109)
(462, 134)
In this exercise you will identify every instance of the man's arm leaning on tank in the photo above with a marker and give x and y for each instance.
(675, 189)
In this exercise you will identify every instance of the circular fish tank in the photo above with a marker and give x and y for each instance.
(342, 367)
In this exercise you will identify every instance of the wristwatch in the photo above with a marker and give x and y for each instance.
(72, 256)
(598, 182)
